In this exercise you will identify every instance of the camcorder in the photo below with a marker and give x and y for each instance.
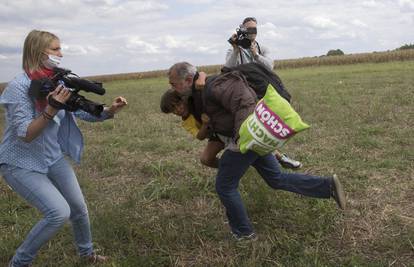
(242, 37)
(39, 89)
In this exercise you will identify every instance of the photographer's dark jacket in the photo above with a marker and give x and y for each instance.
(20, 112)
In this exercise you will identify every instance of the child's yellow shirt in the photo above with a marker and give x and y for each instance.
(191, 125)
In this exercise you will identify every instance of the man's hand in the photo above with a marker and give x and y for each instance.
(204, 118)
(201, 81)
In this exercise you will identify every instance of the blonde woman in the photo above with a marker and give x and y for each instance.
(32, 152)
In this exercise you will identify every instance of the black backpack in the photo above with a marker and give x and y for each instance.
(259, 76)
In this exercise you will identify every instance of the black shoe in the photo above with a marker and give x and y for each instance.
(289, 163)
(337, 192)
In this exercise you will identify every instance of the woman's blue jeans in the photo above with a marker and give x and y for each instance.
(58, 197)
(232, 167)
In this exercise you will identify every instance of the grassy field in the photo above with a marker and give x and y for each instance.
(152, 203)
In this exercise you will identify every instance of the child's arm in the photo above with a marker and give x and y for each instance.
(203, 132)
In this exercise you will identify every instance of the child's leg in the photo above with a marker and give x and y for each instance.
(209, 155)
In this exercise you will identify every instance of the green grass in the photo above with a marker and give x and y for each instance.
(152, 203)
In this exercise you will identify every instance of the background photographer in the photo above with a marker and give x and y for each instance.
(36, 137)
(255, 53)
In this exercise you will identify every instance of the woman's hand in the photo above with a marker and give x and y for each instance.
(61, 94)
(118, 103)
(35, 128)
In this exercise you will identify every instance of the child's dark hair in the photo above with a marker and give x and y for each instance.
(169, 100)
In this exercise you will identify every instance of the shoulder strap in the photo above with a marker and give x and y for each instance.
(259, 77)
(258, 47)
(241, 56)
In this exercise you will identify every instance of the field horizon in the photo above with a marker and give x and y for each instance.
(368, 57)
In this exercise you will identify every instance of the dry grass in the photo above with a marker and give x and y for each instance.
(153, 204)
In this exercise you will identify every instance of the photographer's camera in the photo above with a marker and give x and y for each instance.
(242, 37)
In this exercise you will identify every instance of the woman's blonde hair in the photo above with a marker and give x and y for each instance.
(35, 44)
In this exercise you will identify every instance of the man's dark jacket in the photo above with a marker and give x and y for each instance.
(227, 99)
(230, 97)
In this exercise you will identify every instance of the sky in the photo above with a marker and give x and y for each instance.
(119, 36)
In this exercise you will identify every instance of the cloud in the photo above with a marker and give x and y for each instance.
(270, 31)
(321, 22)
(204, 2)
(73, 49)
(122, 10)
(406, 5)
(358, 23)
(170, 42)
(138, 45)
(371, 3)
(268, 26)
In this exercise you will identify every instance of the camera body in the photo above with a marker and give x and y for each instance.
(242, 37)
(39, 89)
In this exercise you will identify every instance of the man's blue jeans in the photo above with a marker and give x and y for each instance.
(232, 167)
(58, 197)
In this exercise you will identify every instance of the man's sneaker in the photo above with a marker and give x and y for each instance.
(289, 163)
(337, 192)
(244, 237)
